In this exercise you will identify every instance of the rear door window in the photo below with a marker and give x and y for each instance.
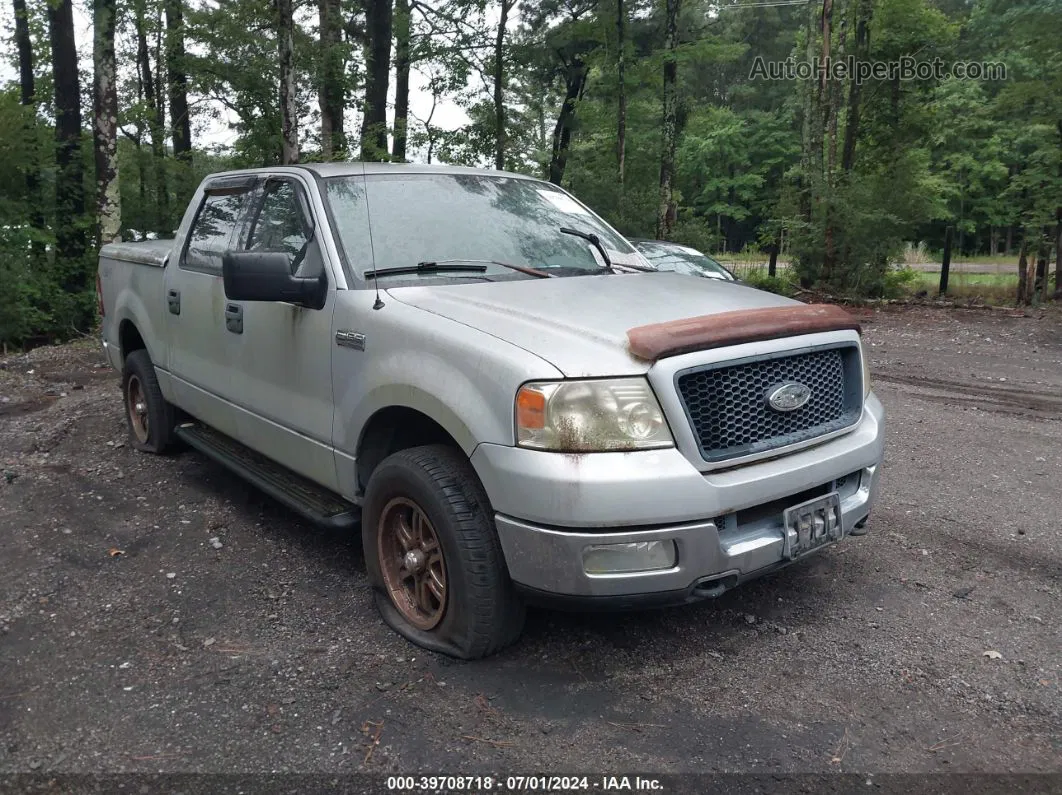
(213, 229)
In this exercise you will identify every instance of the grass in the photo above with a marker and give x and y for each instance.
(991, 288)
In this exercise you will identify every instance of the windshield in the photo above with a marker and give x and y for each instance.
(682, 259)
(398, 220)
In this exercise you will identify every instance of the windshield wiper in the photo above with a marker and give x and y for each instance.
(521, 268)
(427, 267)
(474, 265)
(595, 241)
(592, 239)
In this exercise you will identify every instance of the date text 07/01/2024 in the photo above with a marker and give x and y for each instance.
(523, 783)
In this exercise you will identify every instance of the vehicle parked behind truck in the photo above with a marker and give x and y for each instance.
(444, 361)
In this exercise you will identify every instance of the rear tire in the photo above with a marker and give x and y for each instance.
(433, 556)
(151, 419)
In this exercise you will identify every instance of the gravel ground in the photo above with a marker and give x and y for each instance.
(157, 614)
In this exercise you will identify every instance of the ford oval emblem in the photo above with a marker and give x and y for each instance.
(788, 397)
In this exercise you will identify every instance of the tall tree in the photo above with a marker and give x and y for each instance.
(156, 116)
(402, 64)
(69, 178)
(27, 88)
(621, 82)
(499, 84)
(28, 99)
(379, 16)
(665, 216)
(177, 79)
(574, 82)
(862, 10)
(105, 126)
(331, 89)
(289, 111)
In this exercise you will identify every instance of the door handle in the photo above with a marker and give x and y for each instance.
(234, 318)
(173, 301)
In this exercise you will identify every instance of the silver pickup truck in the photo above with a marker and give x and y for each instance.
(473, 369)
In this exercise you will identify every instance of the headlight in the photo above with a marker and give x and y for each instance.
(866, 371)
(590, 416)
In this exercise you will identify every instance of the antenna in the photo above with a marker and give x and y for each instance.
(378, 303)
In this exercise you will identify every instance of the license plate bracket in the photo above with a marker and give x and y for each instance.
(811, 525)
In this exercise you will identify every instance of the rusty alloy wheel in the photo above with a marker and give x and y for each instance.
(412, 563)
(136, 406)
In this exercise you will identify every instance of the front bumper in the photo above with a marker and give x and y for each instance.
(726, 525)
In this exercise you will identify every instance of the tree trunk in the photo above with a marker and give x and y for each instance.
(1058, 253)
(993, 240)
(178, 94)
(827, 137)
(69, 178)
(621, 110)
(499, 86)
(156, 122)
(28, 99)
(289, 111)
(833, 104)
(772, 264)
(379, 18)
(575, 82)
(1058, 227)
(1008, 245)
(1023, 271)
(141, 160)
(665, 216)
(806, 184)
(1043, 252)
(402, 33)
(24, 45)
(945, 262)
(331, 94)
(851, 127)
(105, 127)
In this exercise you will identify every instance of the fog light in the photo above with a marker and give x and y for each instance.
(635, 556)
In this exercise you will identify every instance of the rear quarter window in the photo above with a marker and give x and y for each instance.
(212, 230)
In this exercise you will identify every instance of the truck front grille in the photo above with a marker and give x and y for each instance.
(726, 403)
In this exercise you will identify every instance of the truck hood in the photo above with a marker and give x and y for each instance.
(579, 324)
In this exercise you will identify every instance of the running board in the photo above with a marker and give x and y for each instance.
(310, 500)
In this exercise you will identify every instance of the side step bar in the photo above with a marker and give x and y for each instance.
(310, 500)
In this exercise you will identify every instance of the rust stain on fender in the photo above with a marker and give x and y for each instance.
(660, 340)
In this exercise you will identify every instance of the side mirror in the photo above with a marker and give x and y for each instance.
(267, 276)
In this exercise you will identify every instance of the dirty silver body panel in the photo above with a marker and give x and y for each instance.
(304, 386)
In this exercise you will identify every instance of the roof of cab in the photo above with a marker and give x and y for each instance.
(348, 169)
(356, 169)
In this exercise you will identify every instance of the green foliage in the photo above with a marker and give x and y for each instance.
(782, 284)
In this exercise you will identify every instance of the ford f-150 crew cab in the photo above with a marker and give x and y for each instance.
(476, 371)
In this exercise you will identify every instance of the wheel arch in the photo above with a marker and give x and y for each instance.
(396, 427)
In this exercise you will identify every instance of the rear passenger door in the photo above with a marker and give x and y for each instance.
(202, 354)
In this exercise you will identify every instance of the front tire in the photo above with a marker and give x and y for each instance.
(433, 556)
(151, 419)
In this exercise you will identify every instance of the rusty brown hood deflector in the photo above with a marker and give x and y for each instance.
(660, 340)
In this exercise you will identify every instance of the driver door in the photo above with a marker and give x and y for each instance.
(282, 351)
